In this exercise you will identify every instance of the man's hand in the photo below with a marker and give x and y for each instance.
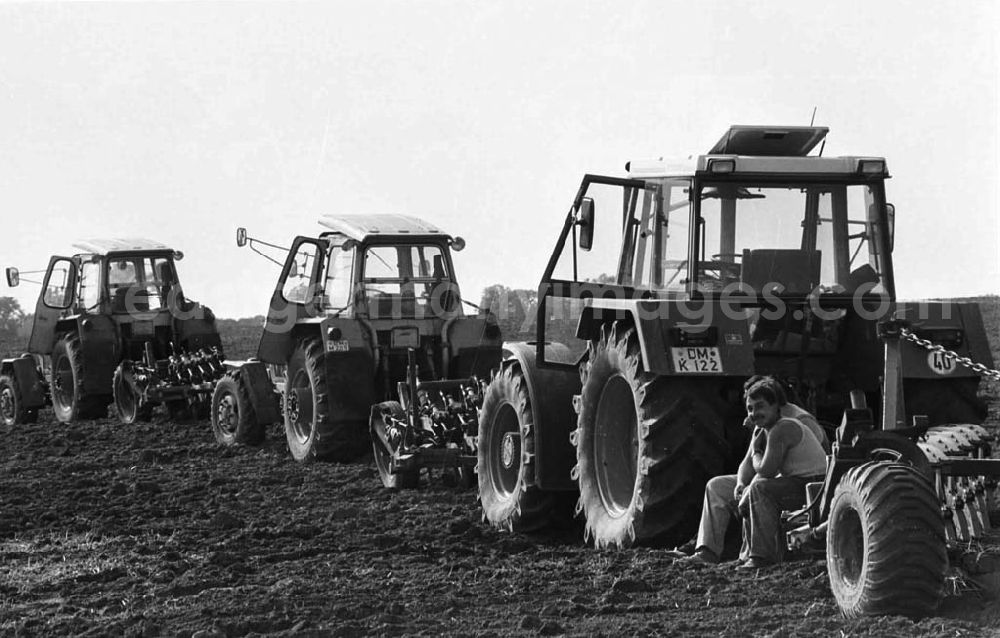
(759, 442)
(738, 492)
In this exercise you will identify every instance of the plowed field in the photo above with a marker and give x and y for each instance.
(155, 530)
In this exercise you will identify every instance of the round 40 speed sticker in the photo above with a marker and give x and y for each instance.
(940, 364)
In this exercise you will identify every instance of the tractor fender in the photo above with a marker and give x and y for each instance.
(933, 319)
(551, 392)
(98, 337)
(254, 376)
(28, 380)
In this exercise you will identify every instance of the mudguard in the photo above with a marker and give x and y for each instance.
(100, 350)
(27, 378)
(931, 320)
(551, 393)
(262, 397)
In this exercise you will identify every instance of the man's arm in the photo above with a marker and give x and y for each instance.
(784, 435)
(745, 473)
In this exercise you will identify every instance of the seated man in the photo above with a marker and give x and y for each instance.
(783, 456)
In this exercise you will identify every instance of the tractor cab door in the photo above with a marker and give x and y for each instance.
(296, 299)
(57, 296)
(612, 248)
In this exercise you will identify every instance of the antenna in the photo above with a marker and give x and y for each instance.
(813, 118)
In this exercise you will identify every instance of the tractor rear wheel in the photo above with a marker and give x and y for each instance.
(129, 403)
(383, 458)
(233, 418)
(313, 433)
(885, 544)
(69, 400)
(12, 410)
(505, 459)
(646, 445)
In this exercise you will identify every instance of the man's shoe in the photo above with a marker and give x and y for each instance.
(755, 562)
(702, 557)
(685, 550)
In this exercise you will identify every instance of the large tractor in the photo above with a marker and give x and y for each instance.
(117, 300)
(672, 285)
(366, 344)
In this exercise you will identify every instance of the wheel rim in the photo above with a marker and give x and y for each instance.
(505, 451)
(616, 445)
(7, 403)
(62, 383)
(849, 545)
(228, 414)
(299, 406)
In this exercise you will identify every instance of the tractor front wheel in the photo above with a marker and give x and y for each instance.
(885, 544)
(12, 410)
(129, 402)
(233, 418)
(506, 459)
(383, 457)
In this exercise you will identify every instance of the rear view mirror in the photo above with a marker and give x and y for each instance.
(890, 216)
(457, 244)
(241, 237)
(13, 277)
(586, 223)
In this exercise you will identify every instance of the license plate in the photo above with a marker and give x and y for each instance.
(406, 337)
(697, 360)
(338, 345)
(142, 328)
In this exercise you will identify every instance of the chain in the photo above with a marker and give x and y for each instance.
(948, 354)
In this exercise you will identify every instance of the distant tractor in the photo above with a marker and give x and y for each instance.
(116, 300)
(366, 344)
(667, 289)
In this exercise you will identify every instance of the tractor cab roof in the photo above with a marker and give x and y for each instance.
(761, 151)
(362, 227)
(105, 246)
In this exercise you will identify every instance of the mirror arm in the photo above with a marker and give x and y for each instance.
(265, 256)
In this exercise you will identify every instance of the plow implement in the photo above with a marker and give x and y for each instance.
(182, 382)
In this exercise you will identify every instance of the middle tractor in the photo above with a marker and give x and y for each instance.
(365, 331)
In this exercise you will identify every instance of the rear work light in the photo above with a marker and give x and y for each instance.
(722, 166)
(871, 167)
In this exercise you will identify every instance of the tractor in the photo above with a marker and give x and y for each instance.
(366, 344)
(667, 289)
(116, 301)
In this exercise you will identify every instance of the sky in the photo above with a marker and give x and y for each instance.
(182, 121)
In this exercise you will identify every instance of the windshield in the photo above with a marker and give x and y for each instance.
(139, 282)
(790, 239)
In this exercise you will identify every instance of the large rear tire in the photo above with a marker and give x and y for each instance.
(313, 433)
(69, 400)
(646, 445)
(12, 410)
(399, 480)
(885, 544)
(233, 418)
(505, 459)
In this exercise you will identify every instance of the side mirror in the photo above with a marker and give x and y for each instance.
(241, 237)
(890, 216)
(586, 223)
(178, 255)
(13, 277)
(457, 244)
